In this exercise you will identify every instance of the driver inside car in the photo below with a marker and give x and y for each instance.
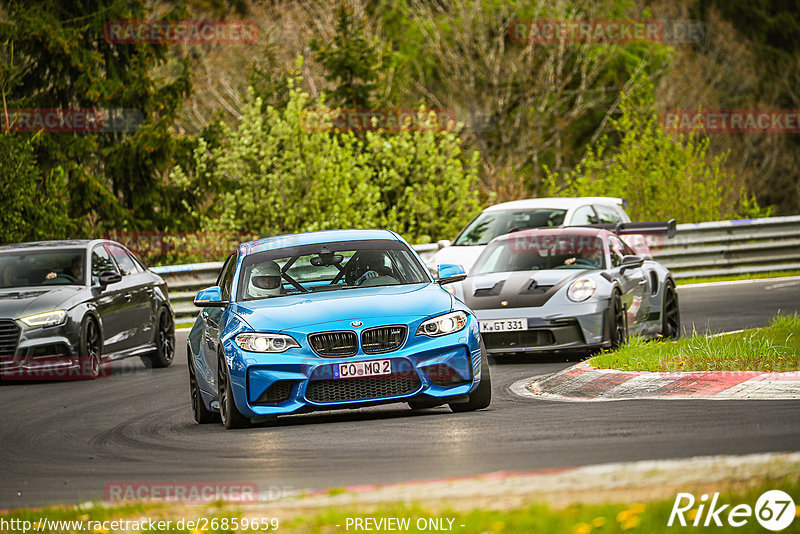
(593, 257)
(369, 264)
(75, 271)
(265, 280)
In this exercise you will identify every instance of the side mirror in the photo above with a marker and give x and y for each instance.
(443, 243)
(107, 278)
(630, 262)
(210, 297)
(449, 273)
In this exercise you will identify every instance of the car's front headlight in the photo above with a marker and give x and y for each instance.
(51, 318)
(581, 289)
(253, 342)
(444, 324)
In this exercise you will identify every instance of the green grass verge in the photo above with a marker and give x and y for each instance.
(701, 280)
(775, 348)
(645, 517)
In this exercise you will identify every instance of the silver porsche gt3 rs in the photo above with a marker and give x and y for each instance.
(570, 289)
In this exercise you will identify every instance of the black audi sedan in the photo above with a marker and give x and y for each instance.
(66, 307)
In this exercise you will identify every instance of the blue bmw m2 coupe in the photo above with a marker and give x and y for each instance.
(330, 320)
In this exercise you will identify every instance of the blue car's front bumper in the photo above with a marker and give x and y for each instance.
(299, 380)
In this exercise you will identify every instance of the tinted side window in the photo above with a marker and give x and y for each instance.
(608, 215)
(136, 263)
(627, 250)
(225, 280)
(101, 262)
(584, 215)
(126, 265)
(616, 248)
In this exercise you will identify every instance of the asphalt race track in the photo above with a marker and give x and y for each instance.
(64, 442)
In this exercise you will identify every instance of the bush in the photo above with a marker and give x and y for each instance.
(284, 173)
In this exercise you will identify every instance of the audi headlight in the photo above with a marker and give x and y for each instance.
(265, 342)
(51, 318)
(581, 289)
(444, 324)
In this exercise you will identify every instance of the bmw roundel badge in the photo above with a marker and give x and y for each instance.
(356, 324)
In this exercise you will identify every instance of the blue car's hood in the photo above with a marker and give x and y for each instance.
(296, 311)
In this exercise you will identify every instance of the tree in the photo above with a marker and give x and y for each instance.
(114, 178)
(662, 177)
(33, 200)
(353, 61)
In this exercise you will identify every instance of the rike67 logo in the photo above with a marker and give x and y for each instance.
(774, 510)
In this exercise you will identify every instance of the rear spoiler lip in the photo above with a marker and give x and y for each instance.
(668, 228)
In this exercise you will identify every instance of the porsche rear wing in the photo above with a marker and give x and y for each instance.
(667, 228)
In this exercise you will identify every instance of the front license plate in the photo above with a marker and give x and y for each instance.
(359, 369)
(503, 325)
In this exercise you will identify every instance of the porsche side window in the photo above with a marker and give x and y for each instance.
(616, 249)
(101, 262)
(584, 215)
(626, 249)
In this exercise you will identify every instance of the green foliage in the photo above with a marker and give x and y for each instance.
(353, 61)
(61, 60)
(286, 172)
(662, 177)
(33, 200)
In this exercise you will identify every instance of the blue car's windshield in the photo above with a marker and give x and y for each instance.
(41, 267)
(536, 252)
(491, 224)
(328, 267)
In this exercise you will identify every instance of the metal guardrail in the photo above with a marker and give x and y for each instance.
(697, 250)
(732, 247)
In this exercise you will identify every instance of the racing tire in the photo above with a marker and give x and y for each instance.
(617, 331)
(228, 412)
(164, 353)
(482, 396)
(670, 313)
(90, 356)
(202, 415)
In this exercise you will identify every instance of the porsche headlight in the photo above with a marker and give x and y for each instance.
(51, 318)
(444, 324)
(581, 289)
(252, 342)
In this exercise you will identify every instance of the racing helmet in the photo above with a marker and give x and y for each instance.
(265, 280)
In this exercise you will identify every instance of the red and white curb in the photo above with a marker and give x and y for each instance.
(582, 382)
